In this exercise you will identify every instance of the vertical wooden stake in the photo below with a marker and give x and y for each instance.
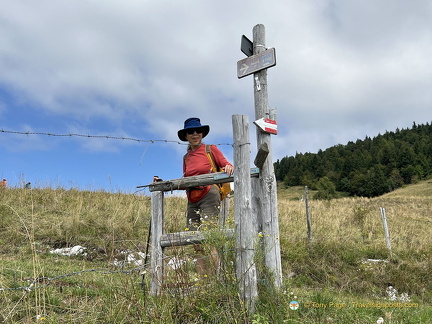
(386, 230)
(243, 222)
(224, 211)
(308, 220)
(156, 261)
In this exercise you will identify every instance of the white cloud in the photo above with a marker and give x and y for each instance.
(344, 68)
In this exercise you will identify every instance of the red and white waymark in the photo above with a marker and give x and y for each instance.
(267, 125)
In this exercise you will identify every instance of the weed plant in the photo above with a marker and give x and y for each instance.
(342, 275)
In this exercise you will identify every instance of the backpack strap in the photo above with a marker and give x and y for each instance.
(210, 157)
(224, 188)
(184, 162)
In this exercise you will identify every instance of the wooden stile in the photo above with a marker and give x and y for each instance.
(255, 200)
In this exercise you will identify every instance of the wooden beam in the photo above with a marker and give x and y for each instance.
(194, 181)
(187, 238)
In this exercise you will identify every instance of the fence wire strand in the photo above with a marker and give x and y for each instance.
(41, 282)
(46, 281)
(101, 136)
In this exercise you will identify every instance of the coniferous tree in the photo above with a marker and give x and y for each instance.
(368, 167)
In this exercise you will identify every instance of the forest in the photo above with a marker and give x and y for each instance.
(365, 168)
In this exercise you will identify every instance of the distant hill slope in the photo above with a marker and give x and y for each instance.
(420, 190)
(367, 168)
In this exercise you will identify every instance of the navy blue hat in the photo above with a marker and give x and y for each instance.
(192, 123)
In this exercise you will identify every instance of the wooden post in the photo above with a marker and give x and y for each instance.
(308, 220)
(267, 191)
(256, 204)
(224, 211)
(243, 215)
(156, 261)
(386, 230)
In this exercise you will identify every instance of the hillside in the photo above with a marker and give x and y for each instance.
(346, 264)
(422, 189)
(366, 168)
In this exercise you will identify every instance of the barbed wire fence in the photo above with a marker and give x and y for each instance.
(109, 137)
(46, 281)
(42, 282)
(142, 269)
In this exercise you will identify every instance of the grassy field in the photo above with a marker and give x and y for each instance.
(345, 274)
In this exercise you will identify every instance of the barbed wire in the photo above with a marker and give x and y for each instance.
(101, 136)
(35, 283)
(41, 282)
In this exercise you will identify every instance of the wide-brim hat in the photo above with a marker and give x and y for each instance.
(191, 123)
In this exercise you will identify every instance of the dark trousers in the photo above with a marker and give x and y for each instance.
(205, 211)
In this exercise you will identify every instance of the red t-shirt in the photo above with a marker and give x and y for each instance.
(197, 162)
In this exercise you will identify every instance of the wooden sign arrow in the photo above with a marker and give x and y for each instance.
(257, 62)
(267, 125)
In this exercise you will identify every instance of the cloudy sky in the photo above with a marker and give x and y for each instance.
(137, 69)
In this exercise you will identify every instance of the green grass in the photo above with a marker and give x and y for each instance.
(330, 276)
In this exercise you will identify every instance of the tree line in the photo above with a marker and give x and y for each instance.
(367, 168)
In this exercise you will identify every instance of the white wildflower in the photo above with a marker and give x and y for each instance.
(404, 298)
(176, 263)
(391, 293)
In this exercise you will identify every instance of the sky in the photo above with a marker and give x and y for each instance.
(345, 69)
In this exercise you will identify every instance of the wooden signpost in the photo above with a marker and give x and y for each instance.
(264, 193)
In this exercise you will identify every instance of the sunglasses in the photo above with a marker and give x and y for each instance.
(190, 131)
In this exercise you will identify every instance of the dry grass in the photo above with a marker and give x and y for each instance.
(359, 220)
(332, 268)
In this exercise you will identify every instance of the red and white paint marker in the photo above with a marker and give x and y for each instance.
(267, 125)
